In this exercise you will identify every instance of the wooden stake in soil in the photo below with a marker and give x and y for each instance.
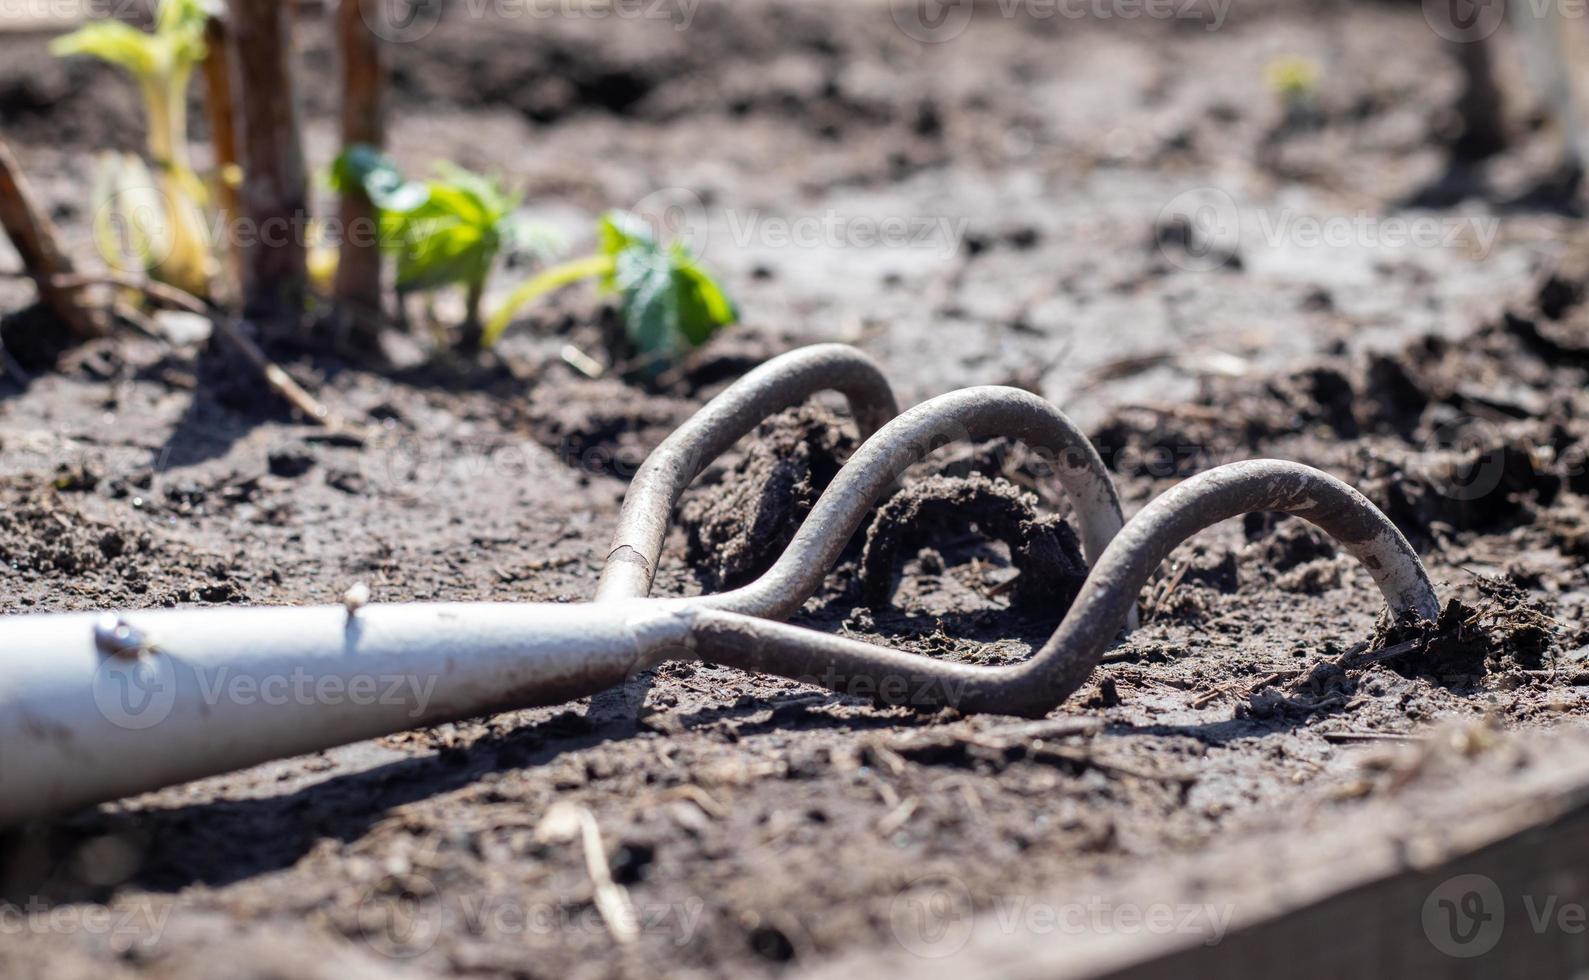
(1480, 104)
(220, 107)
(358, 283)
(36, 241)
(275, 188)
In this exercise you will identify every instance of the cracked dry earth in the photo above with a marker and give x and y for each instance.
(758, 826)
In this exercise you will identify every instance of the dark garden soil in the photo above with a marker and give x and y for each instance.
(759, 826)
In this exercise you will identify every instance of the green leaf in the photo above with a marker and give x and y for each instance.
(618, 232)
(175, 46)
(186, 15)
(443, 231)
(621, 230)
(144, 55)
(482, 192)
(363, 167)
(668, 301)
(708, 307)
(539, 241)
(438, 250)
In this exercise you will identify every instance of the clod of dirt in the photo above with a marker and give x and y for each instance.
(1216, 569)
(42, 539)
(1313, 578)
(35, 338)
(1508, 630)
(1488, 486)
(742, 520)
(1188, 604)
(1326, 687)
(1179, 235)
(1286, 542)
(728, 357)
(1000, 459)
(1186, 594)
(77, 477)
(1554, 327)
(290, 463)
(1393, 395)
(601, 426)
(1160, 445)
(1043, 549)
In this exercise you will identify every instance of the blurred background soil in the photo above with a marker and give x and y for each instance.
(1038, 167)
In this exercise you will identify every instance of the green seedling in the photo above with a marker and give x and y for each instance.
(668, 301)
(165, 236)
(1294, 79)
(449, 230)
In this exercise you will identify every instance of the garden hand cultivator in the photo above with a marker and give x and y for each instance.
(98, 707)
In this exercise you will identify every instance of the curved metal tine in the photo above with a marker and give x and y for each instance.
(966, 415)
(1064, 663)
(783, 381)
(786, 380)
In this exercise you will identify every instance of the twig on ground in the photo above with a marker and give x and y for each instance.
(1380, 656)
(563, 823)
(1339, 737)
(168, 296)
(275, 376)
(896, 818)
(1083, 757)
(1220, 690)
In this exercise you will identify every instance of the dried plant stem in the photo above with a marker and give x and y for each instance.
(37, 242)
